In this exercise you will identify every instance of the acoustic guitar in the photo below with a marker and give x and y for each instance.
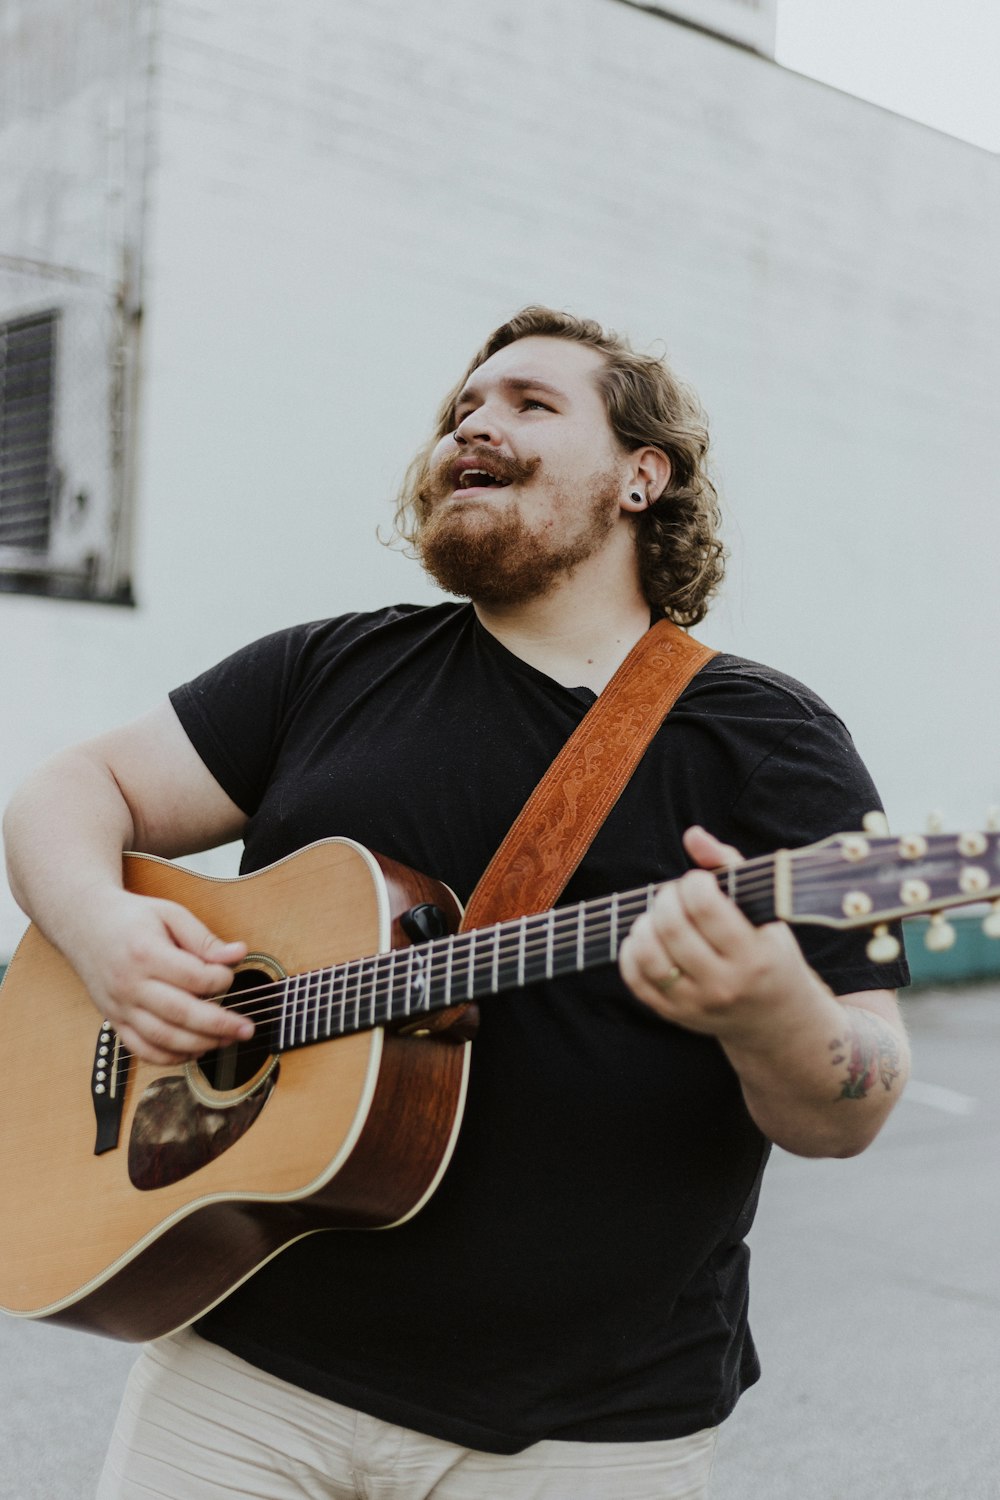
(136, 1196)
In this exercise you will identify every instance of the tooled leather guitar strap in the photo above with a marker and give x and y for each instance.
(560, 819)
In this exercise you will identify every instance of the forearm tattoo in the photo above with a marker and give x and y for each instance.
(870, 1050)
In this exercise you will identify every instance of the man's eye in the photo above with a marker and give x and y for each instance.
(533, 401)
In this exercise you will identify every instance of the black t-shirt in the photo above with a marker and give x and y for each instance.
(580, 1272)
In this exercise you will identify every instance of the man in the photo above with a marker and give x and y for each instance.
(567, 1315)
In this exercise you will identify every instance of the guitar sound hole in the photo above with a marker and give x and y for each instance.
(233, 1066)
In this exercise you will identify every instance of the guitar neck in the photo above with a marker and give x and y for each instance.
(403, 983)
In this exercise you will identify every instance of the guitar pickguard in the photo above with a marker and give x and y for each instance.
(174, 1134)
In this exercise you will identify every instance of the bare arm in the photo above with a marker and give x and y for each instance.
(819, 1073)
(145, 962)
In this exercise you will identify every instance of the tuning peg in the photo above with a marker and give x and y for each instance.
(940, 935)
(875, 822)
(883, 947)
(991, 924)
(935, 822)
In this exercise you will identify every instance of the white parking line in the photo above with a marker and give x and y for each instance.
(937, 1097)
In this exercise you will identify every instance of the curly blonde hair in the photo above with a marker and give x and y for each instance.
(681, 559)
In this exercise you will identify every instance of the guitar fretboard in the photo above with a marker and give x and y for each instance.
(407, 982)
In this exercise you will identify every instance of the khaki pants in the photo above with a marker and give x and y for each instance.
(197, 1423)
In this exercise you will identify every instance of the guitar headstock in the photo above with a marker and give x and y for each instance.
(870, 878)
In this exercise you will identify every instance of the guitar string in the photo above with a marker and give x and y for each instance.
(565, 915)
(751, 879)
(537, 940)
(316, 988)
(630, 904)
(366, 984)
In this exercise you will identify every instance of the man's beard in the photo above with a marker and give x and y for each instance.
(495, 558)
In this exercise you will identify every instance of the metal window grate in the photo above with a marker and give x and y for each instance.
(27, 393)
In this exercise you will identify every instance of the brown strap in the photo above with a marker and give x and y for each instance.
(557, 824)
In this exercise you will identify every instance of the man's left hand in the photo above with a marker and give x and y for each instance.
(696, 960)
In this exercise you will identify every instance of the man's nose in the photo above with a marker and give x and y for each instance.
(479, 426)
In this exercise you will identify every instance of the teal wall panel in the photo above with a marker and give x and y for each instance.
(973, 956)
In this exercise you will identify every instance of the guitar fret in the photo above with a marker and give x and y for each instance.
(426, 978)
(343, 1000)
(357, 998)
(470, 987)
(409, 980)
(391, 983)
(370, 967)
(371, 992)
(579, 935)
(520, 950)
(294, 1008)
(302, 982)
(415, 981)
(289, 1017)
(613, 946)
(508, 959)
(549, 941)
(336, 1001)
(284, 1015)
(535, 957)
(315, 996)
(447, 969)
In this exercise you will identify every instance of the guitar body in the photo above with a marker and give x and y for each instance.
(209, 1177)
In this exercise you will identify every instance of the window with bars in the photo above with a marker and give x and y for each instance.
(27, 399)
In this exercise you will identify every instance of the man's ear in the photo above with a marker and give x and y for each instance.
(650, 476)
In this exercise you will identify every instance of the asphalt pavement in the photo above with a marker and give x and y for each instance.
(875, 1303)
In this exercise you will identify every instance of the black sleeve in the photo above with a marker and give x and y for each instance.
(813, 784)
(233, 713)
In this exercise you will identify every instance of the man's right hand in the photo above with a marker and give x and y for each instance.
(148, 965)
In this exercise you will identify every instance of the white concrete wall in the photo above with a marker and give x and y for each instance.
(344, 200)
(71, 146)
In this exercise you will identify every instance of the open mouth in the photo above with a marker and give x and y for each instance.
(478, 479)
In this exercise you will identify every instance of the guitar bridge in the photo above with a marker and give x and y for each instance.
(107, 1087)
